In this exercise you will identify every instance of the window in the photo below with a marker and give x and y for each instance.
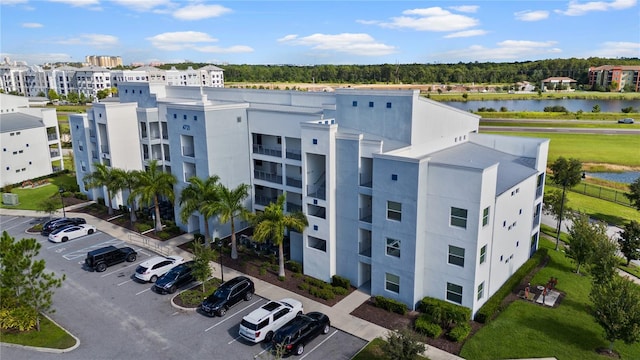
(456, 255)
(454, 293)
(394, 177)
(195, 117)
(370, 103)
(184, 117)
(459, 217)
(315, 141)
(394, 211)
(392, 283)
(480, 291)
(485, 216)
(175, 116)
(319, 244)
(388, 105)
(393, 247)
(483, 254)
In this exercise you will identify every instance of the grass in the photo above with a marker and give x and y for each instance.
(30, 198)
(581, 146)
(541, 115)
(576, 124)
(631, 269)
(373, 351)
(609, 212)
(527, 330)
(50, 336)
(475, 96)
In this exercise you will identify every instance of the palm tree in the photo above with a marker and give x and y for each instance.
(103, 176)
(229, 207)
(270, 225)
(201, 196)
(152, 184)
(128, 180)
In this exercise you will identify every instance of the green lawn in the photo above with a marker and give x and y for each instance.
(30, 198)
(611, 149)
(611, 213)
(567, 332)
(49, 336)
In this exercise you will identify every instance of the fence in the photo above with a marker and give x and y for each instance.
(608, 194)
(149, 244)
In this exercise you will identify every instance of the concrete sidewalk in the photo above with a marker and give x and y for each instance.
(339, 314)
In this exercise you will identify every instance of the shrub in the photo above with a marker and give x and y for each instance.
(296, 275)
(460, 332)
(444, 313)
(81, 196)
(281, 278)
(191, 297)
(494, 304)
(164, 235)
(304, 286)
(322, 293)
(390, 305)
(316, 282)
(263, 271)
(340, 290)
(340, 281)
(198, 238)
(142, 227)
(67, 194)
(294, 266)
(426, 327)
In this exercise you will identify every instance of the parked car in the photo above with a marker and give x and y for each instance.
(100, 259)
(294, 335)
(54, 224)
(263, 322)
(226, 295)
(178, 276)
(71, 232)
(155, 267)
(626, 121)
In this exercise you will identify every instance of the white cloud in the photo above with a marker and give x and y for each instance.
(431, 19)
(143, 5)
(531, 15)
(236, 49)
(174, 41)
(350, 43)
(32, 25)
(40, 58)
(78, 3)
(508, 50)
(576, 8)
(13, 2)
(96, 40)
(466, 33)
(465, 8)
(613, 49)
(200, 11)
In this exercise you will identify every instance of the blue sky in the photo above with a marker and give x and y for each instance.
(317, 32)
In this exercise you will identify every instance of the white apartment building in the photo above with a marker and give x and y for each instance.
(30, 141)
(402, 194)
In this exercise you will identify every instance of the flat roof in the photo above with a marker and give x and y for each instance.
(19, 121)
(512, 169)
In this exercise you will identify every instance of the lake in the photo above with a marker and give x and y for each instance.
(572, 105)
(622, 177)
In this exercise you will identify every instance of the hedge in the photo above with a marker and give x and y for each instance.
(340, 281)
(294, 266)
(444, 313)
(390, 305)
(494, 305)
(426, 327)
(460, 332)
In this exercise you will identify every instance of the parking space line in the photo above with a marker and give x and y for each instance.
(321, 342)
(83, 252)
(229, 317)
(262, 352)
(128, 281)
(119, 270)
(234, 340)
(11, 227)
(143, 291)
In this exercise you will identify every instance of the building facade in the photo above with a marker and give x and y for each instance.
(615, 77)
(104, 61)
(404, 197)
(30, 141)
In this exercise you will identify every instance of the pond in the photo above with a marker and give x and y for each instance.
(626, 177)
(572, 105)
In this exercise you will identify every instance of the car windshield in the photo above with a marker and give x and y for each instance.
(221, 293)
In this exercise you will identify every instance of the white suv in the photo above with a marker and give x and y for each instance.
(261, 323)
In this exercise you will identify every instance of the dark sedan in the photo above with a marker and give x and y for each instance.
(294, 335)
(227, 295)
(174, 278)
(54, 224)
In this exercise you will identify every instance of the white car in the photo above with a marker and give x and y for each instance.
(153, 268)
(71, 232)
(263, 322)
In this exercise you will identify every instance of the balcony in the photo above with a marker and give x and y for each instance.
(294, 182)
(365, 215)
(265, 200)
(318, 192)
(104, 149)
(188, 151)
(294, 154)
(262, 175)
(291, 207)
(364, 249)
(52, 137)
(259, 149)
(94, 154)
(54, 153)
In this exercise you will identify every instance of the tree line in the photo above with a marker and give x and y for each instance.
(458, 73)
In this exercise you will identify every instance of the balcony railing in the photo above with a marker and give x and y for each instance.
(259, 149)
(262, 175)
(144, 135)
(188, 151)
(365, 215)
(265, 200)
(291, 207)
(92, 133)
(364, 249)
(94, 154)
(538, 191)
(294, 154)
(318, 192)
(52, 137)
(294, 182)
(104, 149)
(54, 153)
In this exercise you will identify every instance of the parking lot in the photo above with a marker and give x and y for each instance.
(117, 317)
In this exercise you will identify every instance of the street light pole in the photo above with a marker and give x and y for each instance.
(60, 191)
(220, 257)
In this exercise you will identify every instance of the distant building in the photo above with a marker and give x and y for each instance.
(558, 83)
(620, 76)
(30, 141)
(104, 61)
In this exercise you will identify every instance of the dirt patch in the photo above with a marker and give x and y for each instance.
(608, 167)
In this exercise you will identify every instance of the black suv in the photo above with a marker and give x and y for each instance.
(295, 334)
(228, 294)
(174, 278)
(100, 259)
(54, 224)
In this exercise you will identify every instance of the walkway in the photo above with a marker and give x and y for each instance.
(339, 314)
